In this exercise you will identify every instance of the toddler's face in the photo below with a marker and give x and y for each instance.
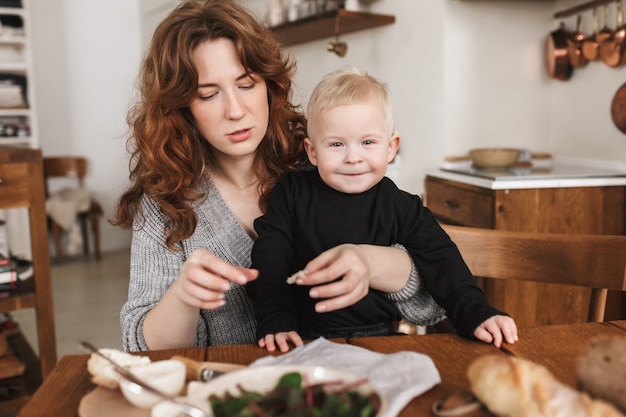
(351, 146)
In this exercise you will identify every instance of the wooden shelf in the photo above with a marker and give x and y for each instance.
(329, 24)
(19, 299)
(27, 383)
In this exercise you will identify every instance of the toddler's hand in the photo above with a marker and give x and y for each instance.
(494, 328)
(281, 339)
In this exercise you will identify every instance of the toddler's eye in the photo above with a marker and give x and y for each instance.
(336, 144)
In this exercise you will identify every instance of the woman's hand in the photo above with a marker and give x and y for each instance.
(201, 284)
(204, 279)
(359, 267)
(281, 339)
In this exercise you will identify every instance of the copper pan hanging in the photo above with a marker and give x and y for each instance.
(591, 48)
(590, 45)
(556, 56)
(575, 41)
(612, 50)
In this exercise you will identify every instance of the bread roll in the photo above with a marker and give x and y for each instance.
(602, 369)
(513, 387)
(102, 372)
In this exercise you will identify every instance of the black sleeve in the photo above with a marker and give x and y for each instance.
(444, 272)
(271, 256)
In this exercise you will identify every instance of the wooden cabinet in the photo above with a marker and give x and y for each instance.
(18, 119)
(22, 186)
(594, 210)
(328, 24)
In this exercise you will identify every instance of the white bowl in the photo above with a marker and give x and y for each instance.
(167, 376)
(262, 379)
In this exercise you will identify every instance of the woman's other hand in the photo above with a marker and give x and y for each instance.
(204, 279)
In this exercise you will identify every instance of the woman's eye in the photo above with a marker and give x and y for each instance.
(207, 96)
(247, 86)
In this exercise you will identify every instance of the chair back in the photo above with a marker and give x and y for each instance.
(72, 167)
(593, 261)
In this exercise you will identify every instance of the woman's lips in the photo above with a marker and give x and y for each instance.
(240, 135)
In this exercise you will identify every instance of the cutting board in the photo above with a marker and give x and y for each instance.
(105, 402)
(102, 402)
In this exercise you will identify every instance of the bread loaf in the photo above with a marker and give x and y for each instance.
(602, 369)
(514, 387)
(102, 372)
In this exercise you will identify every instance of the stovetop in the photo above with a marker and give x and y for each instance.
(525, 173)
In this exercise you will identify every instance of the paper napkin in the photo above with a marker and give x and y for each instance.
(400, 376)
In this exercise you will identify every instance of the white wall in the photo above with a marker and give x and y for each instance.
(86, 55)
(462, 74)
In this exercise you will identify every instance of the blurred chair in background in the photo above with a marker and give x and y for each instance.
(71, 208)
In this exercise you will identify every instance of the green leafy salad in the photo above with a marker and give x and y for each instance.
(291, 397)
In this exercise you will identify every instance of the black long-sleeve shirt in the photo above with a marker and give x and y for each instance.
(306, 217)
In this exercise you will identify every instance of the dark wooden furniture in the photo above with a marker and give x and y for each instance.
(597, 262)
(21, 185)
(327, 25)
(556, 347)
(74, 167)
(581, 210)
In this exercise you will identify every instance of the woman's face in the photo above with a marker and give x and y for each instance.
(231, 108)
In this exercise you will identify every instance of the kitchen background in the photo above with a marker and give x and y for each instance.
(462, 74)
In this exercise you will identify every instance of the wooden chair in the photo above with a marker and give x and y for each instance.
(593, 261)
(75, 169)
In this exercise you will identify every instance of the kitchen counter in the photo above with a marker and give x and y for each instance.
(561, 172)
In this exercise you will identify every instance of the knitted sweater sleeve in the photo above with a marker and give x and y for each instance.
(414, 302)
(153, 268)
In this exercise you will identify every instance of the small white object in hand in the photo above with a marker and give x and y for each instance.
(292, 279)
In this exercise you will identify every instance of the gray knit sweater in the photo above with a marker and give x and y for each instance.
(153, 268)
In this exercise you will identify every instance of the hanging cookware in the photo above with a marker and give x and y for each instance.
(590, 45)
(575, 41)
(612, 51)
(557, 61)
(618, 108)
(605, 34)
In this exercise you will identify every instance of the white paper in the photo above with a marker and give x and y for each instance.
(400, 376)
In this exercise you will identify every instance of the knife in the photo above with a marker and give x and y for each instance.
(205, 371)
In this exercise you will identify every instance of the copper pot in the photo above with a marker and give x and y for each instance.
(590, 45)
(574, 46)
(612, 51)
(556, 56)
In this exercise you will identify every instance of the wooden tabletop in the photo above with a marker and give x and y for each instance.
(556, 347)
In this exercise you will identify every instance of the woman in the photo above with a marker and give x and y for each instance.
(213, 130)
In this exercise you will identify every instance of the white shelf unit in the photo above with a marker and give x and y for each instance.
(18, 121)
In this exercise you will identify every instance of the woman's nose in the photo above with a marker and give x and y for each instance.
(235, 107)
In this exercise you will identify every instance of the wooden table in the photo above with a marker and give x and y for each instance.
(556, 347)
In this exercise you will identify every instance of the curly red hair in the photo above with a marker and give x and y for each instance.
(168, 154)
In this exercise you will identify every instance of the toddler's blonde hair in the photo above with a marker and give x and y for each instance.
(348, 86)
